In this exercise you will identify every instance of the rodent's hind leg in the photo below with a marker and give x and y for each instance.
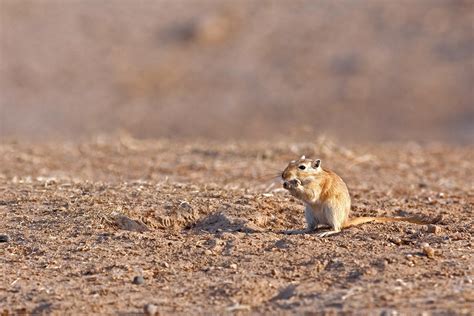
(334, 218)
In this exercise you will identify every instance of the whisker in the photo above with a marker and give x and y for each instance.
(274, 169)
(268, 177)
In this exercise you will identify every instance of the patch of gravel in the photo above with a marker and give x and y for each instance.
(203, 230)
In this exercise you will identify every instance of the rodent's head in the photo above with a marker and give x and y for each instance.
(301, 169)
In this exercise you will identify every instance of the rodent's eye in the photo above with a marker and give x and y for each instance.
(302, 167)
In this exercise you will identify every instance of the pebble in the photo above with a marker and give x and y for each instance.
(282, 244)
(233, 266)
(396, 241)
(433, 229)
(285, 293)
(410, 260)
(429, 252)
(410, 231)
(4, 238)
(185, 206)
(150, 309)
(389, 313)
(138, 280)
(238, 307)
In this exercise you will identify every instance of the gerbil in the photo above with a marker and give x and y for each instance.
(327, 198)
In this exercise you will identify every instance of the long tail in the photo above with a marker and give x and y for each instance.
(414, 220)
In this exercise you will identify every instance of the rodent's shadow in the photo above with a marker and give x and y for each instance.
(219, 222)
(222, 221)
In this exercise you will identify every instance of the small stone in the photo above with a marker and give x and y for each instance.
(4, 238)
(429, 252)
(433, 229)
(410, 260)
(138, 280)
(282, 244)
(389, 313)
(441, 194)
(238, 307)
(410, 231)
(208, 252)
(274, 272)
(150, 309)
(285, 293)
(396, 241)
(185, 206)
(319, 267)
(233, 266)
(401, 282)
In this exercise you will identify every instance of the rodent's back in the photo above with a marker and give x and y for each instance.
(335, 189)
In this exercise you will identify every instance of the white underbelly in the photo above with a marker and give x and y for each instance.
(318, 213)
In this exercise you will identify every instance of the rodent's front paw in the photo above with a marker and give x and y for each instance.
(292, 184)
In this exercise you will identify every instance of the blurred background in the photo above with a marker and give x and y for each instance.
(360, 71)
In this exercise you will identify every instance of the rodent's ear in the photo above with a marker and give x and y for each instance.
(317, 163)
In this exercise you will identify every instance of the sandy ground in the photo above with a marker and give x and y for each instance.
(206, 230)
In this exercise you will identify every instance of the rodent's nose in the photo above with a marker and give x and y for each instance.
(286, 185)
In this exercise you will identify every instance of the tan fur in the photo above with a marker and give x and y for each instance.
(327, 198)
(414, 220)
